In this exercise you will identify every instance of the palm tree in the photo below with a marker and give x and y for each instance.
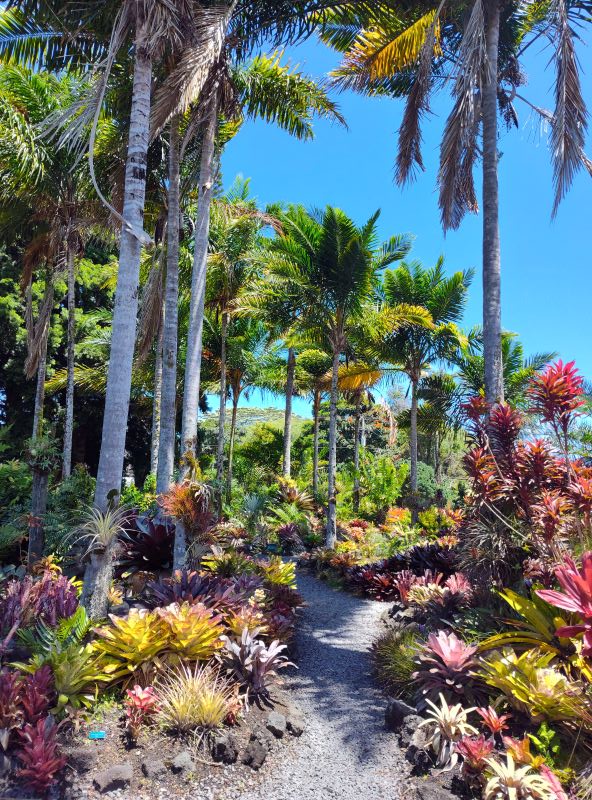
(45, 189)
(413, 348)
(313, 366)
(326, 268)
(236, 223)
(478, 47)
(262, 89)
(246, 364)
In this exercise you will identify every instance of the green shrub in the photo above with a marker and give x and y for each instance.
(15, 484)
(393, 655)
(434, 521)
(426, 487)
(263, 448)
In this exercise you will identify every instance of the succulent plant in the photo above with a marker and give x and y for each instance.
(146, 543)
(140, 704)
(252, 663)
(494, 722)
(446, 666)
(447, 726)
(39, 755)
(510, 782)
(474, 750)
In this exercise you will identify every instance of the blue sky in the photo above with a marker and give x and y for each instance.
(546, 263)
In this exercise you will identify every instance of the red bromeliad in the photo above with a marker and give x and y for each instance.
(576, 597)
(495, 722)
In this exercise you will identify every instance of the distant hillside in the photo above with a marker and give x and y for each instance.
(247, 417)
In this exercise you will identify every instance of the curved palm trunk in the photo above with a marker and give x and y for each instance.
(492, 322)
(222, 412)
(291, 368)
(198, 289)
(235, 399)
(40, 478)
(357, 426)
(331, 532)
(168, 413)
(157, 403)
(413, 451)
(316, 408)
(40, 388)
(71, 332)
(119, 376)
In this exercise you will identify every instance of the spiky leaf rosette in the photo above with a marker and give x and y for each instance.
(446, 666)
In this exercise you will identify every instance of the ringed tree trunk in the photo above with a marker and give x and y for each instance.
(413, 450)
(40, 388)
(38, 508)
(235, 399)
(168, 410)
(492, 317)
(316, 410)
(331, 532)
(291, 369)
(357, 426)
(156, 403)
(222, 412)
(198, 288)
(71, 333)
(119, 377)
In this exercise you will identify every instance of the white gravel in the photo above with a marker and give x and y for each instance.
(345, 751)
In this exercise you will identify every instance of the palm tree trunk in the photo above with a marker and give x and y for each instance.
(40, 388)
(38, 508)
(235, 398)
(69, 421)
(316, 408)
(157, 401)
(358, 416)
(291, 369)
(168, 412)
(331, 533)
(119, 376)
(222, 412)
(492, 317)
(40, 479)
(413, 450)
(198, 289)
(438, 458)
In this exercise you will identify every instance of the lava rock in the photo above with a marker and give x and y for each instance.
(295, 723)
(431, 790)
(256, 751)
(418, 752)
(82, 759)
(276, 724)
(183, 762)
(225, 749)
(153, 769)
(396, 712)
(117, 777)
(407, 730)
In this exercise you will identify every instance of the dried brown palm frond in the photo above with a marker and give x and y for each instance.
(409, 154)
(36, 253)
(150, 316)
(570, 120)
(37, 334)
(457, 194)
(187, 80)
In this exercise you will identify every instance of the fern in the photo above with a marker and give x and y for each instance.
(44, 639)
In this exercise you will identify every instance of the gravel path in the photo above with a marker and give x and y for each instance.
(345, 751)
